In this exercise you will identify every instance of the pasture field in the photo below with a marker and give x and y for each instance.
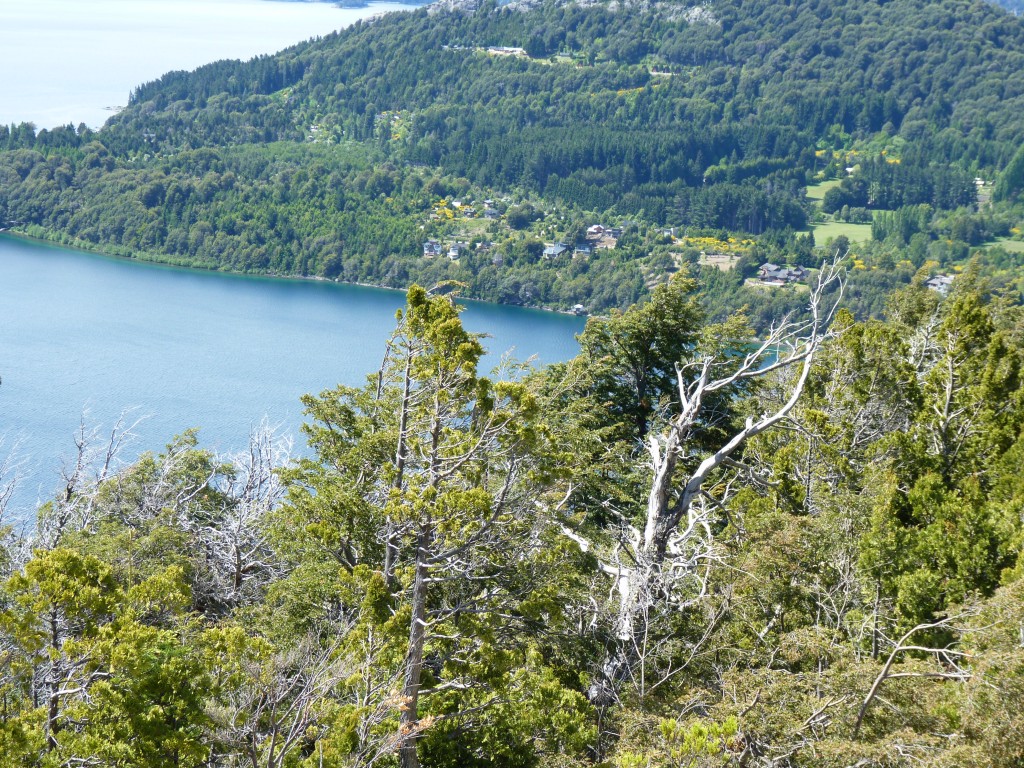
(817, 191)
(1011, 246)
(855, 233)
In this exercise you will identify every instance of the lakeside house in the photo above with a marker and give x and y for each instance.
(773, 274)
(432, 248)
(603, 237)
(600, 236)
(555, 250)
(456, 249)
(941, 284)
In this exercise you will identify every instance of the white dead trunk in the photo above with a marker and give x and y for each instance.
(668, 550)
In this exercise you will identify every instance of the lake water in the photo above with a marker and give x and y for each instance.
(70, 61)
(81, 332)
(191, 349)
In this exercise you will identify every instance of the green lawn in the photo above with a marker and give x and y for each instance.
(817, 191)
(1011, 246)
(855, 233)
(467, 229)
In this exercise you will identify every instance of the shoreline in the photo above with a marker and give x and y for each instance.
(87, 248)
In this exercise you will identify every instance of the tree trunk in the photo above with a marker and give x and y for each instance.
(391, 547)
(638, 584)
(53, 704)
(414, 660)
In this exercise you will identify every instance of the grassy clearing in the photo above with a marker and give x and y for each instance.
(470, 228)
(855, 233)
(753, 282)
(723, 261)
(1011, 246)
(817, 191)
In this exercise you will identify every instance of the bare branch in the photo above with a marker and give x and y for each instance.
(902, 646)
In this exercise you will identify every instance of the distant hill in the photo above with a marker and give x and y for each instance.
(942, 70)
(634, 108)
(712, 117)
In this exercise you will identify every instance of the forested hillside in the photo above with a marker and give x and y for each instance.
(341, 156)
(664, 552)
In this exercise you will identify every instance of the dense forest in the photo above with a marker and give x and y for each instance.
(675, 549)
(339, 157)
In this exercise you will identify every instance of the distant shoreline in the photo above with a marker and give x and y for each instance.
(154, 261)
(349, 4)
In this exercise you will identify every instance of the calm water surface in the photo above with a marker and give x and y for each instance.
(192, 349)
(69, 61)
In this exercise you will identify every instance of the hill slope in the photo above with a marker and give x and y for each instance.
(712, 117)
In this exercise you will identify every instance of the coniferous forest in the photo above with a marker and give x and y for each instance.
(771, 514)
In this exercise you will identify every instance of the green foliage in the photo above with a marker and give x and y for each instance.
(1011, 181)
(420, 589)
(695, 743)
(628, 359)
(68, 619)
(426, 588)
(412, 509)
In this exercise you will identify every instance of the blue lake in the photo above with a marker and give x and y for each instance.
(83, 332)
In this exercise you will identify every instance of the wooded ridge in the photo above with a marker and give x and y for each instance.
(340, 157)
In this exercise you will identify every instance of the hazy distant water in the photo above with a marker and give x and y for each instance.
(64, 61)
(192, 349)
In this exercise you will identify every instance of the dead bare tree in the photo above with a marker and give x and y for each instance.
(235, 538)
(669, 560)
(9, 476)
(95, 460)
(13, 544)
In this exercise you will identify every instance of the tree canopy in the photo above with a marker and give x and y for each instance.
(807, 552)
